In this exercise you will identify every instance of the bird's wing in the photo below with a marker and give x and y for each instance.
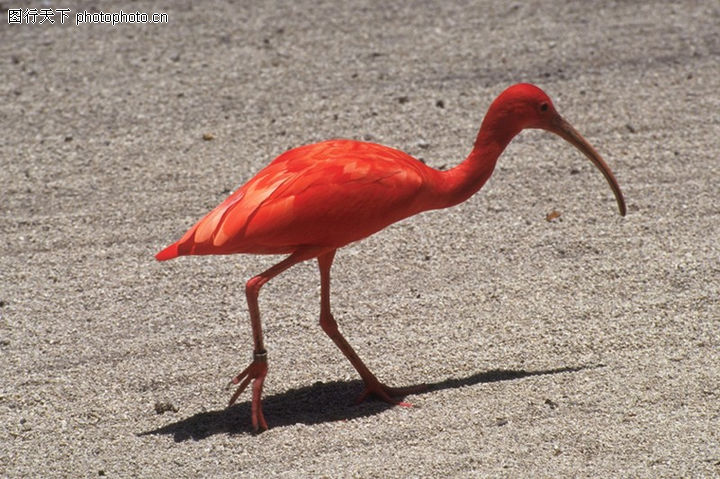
(329, 193)
(325, 194)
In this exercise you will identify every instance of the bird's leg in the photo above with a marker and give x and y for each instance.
(328, 324)
(257, 370)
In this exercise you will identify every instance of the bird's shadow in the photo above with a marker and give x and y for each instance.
(320, 403)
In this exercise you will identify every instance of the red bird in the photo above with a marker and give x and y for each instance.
(317, 198)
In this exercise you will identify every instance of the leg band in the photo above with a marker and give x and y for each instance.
(260, 356)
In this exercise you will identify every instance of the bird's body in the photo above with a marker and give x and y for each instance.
(314, 199)
(326, 194)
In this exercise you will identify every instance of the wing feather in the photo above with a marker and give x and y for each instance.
(329, 193)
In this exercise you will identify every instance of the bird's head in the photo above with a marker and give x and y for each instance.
(524, 106)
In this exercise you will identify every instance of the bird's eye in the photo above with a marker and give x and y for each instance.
(544, 106)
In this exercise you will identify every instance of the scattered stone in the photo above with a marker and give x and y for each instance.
(162, 407)
(552, 216)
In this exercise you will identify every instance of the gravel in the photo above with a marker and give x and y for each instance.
(587, 345)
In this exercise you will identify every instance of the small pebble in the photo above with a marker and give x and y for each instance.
(162, 407)
(552, 216)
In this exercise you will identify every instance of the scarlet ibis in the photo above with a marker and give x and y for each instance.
(316, 198)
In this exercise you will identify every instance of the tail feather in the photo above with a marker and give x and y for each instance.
(168, 253)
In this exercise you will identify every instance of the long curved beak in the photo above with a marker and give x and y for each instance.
(564, 129)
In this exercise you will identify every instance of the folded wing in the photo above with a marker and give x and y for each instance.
(325, 194)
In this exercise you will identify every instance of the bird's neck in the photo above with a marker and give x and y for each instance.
(464, 180)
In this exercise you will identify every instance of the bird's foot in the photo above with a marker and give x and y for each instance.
(389, 394)
(256, 373)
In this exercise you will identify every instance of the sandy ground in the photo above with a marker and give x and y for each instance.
(588, 346)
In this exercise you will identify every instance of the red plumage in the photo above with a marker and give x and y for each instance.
(325, 194)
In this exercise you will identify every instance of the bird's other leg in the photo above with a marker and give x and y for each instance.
(257, 370)
(328, 324)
